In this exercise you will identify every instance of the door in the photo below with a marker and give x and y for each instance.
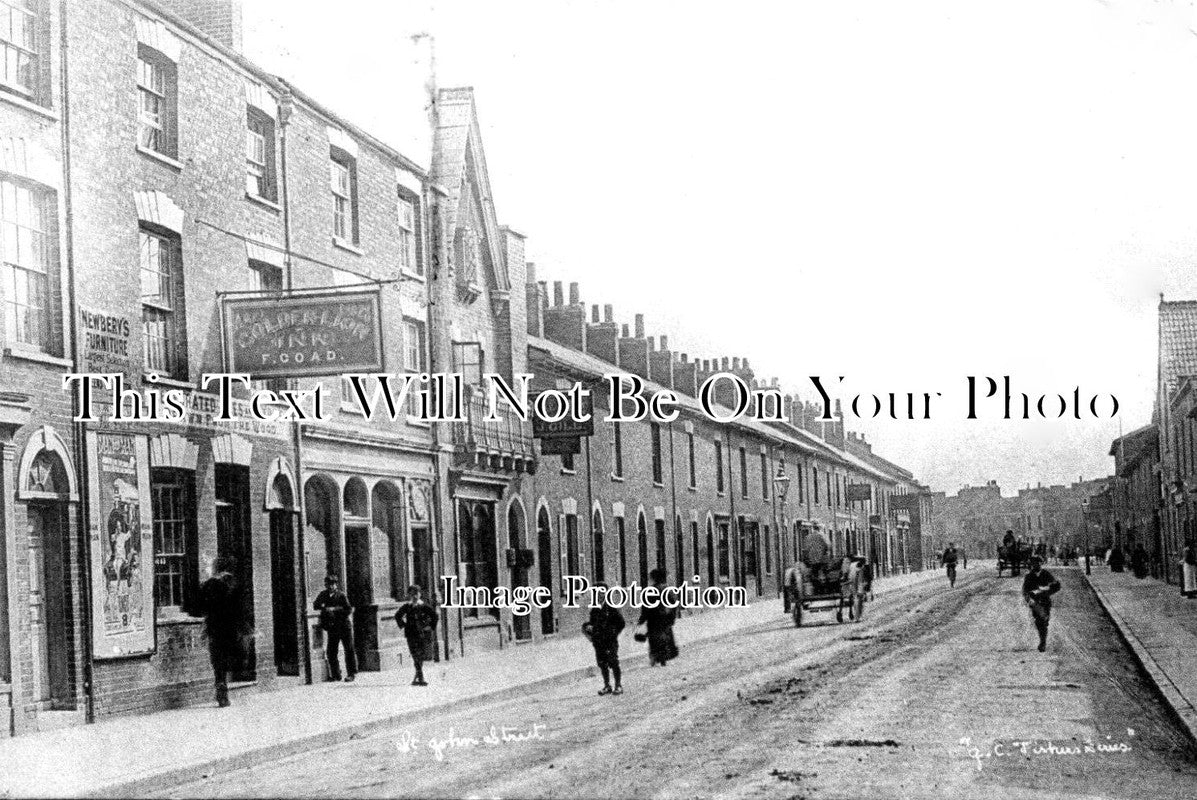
(233, 541)
(522, 623)
(284, 602)
(422, 562)
(359, 588)
(544, 558)
(49, 605)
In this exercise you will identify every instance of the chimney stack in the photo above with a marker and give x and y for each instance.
(219, 19)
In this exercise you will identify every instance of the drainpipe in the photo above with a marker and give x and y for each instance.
(80, 447)
(285, 108)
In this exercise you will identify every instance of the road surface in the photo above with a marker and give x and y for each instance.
(938, 693)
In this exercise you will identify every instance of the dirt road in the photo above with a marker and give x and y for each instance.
(938, 693)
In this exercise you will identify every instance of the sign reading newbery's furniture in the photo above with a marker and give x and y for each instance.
(302, 335)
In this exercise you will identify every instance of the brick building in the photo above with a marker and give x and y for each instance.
(186, 181)
(1174, 431)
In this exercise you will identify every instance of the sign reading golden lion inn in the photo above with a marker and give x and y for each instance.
(291, 336)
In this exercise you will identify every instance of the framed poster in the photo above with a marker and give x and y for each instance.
(122, 545)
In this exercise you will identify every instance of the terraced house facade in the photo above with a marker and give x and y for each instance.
(151, 178)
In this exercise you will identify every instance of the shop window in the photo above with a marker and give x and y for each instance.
(176, 548)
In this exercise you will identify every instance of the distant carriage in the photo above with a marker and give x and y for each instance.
(822, 582)
(1011, 555)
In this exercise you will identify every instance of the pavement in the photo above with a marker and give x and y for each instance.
(134, 755)
(1160, 626)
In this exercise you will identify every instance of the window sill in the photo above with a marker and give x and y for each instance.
(693, 488)
(174, 617)
(28, 105)
(418, 422)
(659, 484)
(616, 478)
(415, 276)
(565, 471)
(172, 383)
(160, 158)
(36, 355)
(344, 245)
(352, 408)
(262, 201)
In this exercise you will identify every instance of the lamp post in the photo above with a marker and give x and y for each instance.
(781, 486)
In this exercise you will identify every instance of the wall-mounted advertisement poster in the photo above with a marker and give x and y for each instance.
(122, 546)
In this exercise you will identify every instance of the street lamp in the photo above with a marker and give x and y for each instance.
(781, 480)
(781, 486)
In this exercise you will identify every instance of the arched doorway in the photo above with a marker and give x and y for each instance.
(544, 558)
(596, 532)
(280, 503)
(522, 623)
(359, 573)
(642, 547)
(48, 486)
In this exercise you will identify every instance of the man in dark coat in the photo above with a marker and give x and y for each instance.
(1037, 590)
(220, 602)
(1116, 560)
(659, 623)
(948, 559)
(603, 631)
(1139, 561)
(335, 611)
(418, 620)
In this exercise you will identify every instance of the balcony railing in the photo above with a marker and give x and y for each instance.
(504, 443)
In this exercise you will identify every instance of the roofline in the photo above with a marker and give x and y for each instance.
(279, 84)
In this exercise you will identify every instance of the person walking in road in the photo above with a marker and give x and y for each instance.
(1188, 568)
(1037, 589)
(658, 622)
(220, 596)
(603, 629)
(1116, 559)
(335, 611)
(790, 586)
(418, 620)
(948, 559)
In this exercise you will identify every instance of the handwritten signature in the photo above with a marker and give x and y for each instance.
(497, 735)
(1044, 747)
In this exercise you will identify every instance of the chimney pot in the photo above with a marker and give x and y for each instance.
(594, 313)
(664, 342)
(652, 343)
(735, 363)
(530, 271)
(608, 313)
(639, 326)
(544, 293)
(558, 294)
(574, 293)
(725, 365)
(746, 363)
(685, 359)
(625, 331)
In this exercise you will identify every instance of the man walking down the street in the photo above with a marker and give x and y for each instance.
(658, 622)
(1037, 590)
(948, 559)
(220, 596)
(603, 631)
(418, 621)
(334, 610)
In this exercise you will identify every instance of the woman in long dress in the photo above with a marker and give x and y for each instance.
(658, 622)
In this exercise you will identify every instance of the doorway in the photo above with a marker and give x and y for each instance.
(521, 623)
(544, 558)
(233, 541)
(49, 605)
(284, 604)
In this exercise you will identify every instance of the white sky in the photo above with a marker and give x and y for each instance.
(901, 193)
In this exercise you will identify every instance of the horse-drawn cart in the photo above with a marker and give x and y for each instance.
(821, 582)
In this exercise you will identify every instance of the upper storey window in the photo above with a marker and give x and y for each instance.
(20, 56)
(157, 110)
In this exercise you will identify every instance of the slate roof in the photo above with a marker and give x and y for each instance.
(1178, 343)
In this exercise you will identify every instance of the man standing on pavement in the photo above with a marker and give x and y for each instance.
(221, 608)
(334, 610)
(418, 621)
(948, 559)
(603, 629)
(1037, 590)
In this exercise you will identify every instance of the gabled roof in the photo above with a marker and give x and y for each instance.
(458, 162)
(1178, 343)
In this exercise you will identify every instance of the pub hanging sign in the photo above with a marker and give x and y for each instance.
(303, 335)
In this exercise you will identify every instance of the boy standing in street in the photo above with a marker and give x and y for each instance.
(334, 610)
(418, 620)
(603, 631)
(1037, 590)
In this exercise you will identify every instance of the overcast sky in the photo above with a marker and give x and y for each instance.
(904, 194)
